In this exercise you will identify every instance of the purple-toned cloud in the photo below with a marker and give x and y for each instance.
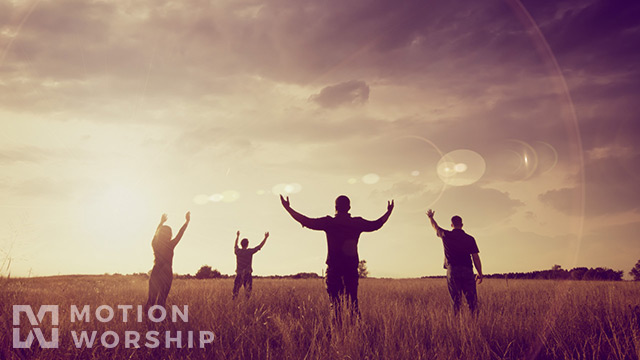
(610, 186)
(352, 92)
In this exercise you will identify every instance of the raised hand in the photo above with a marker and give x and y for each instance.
(266, 235)
(238, 233)
(430, 213)
(390, 205)
(285, 202)
(163, 219)
(187, 216)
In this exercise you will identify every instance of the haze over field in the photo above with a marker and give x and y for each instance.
(521, 117)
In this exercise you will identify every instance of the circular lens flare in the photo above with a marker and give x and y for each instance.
(283, 189)
(370, 179)
(230, 196)
(461, 167)
(521, 163)
(216, 197)
(446, 169)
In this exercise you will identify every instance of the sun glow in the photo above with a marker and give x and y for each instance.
(116, 213)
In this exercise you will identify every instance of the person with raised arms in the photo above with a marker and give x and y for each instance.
(342, 232)
(162, 272)
(244, 258)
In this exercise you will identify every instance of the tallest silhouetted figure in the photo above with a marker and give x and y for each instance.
(343, 232)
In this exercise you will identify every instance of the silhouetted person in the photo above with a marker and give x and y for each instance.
(244, 257)
(162, 272)
(459, 249)
(343, 232)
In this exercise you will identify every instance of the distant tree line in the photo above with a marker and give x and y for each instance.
(555, 273)
(207, 272)
(302, 275)
(558, 273)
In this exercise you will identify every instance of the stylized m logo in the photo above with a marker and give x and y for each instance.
(18, 309)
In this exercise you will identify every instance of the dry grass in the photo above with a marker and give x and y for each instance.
(401, 319)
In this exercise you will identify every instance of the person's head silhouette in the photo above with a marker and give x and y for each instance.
(164, 233)
(456, 222)
(244, 243)
(343, 204)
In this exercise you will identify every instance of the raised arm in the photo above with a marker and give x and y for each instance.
(266, 235)
(163, 219)
(377, 224)
(176, 240)
(235, 247)
(438, 229)
(314, 224)
(478, 265)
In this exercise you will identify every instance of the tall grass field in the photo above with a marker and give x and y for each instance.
(290, 319)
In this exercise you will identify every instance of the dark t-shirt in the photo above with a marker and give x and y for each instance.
(244, 258)
(458, 247)
(343, 233)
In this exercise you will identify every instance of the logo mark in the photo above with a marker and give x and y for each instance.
(35, 322)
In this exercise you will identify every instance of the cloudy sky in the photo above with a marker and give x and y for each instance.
(522, 117)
